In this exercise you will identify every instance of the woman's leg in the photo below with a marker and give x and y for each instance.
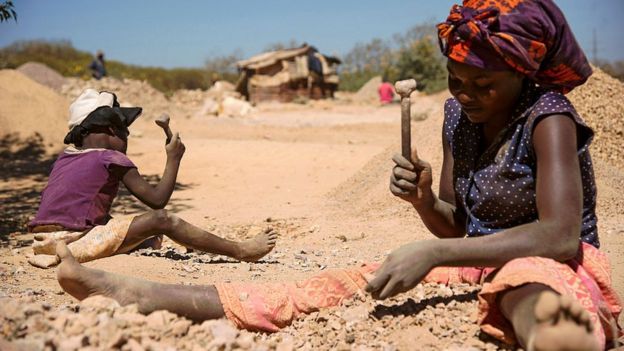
(197, 303)
(184, 233)
(544, 320)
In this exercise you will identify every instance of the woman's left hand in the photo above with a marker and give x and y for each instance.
(404, 268)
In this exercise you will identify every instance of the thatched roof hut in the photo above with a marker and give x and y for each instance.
(285, 75)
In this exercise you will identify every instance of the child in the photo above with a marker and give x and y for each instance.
(516, 178)
(84, 181)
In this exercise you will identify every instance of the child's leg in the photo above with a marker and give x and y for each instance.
(194, 302)
(544, 320)
(178, 230)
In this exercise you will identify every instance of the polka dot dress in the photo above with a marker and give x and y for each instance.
(496, 189)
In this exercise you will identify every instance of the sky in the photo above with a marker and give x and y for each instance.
(186, 33)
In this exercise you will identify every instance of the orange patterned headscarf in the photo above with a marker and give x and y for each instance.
(529, 36)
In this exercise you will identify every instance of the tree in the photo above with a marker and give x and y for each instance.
(413, 54)
(422, 61)
(223, 67)
(7, 12)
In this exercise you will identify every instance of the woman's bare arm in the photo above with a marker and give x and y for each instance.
(559, 204)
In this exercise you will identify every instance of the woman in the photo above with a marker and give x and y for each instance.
(516, 178)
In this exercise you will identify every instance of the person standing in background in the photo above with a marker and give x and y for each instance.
(98, 69)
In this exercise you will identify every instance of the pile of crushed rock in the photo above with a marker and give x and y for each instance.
(599, 102)
(219, 100)
(30, 109)
(43, 75)
(432, 316)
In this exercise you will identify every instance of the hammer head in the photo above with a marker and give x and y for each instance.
(163, 120)
(405, 87)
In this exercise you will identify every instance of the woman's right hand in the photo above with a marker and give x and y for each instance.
(175, 149)
(412, 180)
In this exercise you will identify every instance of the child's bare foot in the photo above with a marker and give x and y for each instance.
(45, 243)
(82, 282)
(257, 247)
(561, 324)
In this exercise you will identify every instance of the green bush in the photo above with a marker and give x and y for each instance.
(422, 61)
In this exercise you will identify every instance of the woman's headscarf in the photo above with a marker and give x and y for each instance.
(529, 36)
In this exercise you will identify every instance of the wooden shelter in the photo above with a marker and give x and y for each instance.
(286, 75)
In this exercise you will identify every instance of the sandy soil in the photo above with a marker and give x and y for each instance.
(318, 173)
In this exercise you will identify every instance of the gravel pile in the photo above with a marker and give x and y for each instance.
(132, 92)
(30, 109)
(368, 92)
(599, 102)
(43, 75)
(432, 316)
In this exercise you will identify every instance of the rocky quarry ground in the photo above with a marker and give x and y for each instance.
(315, 172)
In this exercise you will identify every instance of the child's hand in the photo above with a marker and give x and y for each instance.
(175, 149)
(411, 181)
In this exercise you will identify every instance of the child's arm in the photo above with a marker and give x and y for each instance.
(157, 196)
(555, 235)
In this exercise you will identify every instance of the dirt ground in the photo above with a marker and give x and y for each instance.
(318, 173)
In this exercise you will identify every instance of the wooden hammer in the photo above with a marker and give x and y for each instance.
(404, 88)
(163, 122)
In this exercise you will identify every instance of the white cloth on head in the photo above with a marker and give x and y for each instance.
(87, 102)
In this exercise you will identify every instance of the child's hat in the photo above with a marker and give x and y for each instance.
(102, 106)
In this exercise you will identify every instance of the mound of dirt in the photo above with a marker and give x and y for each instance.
(599, 101)
(129, 92)
(30, 108)
(43, 75)
(367, 190)
(368, 92)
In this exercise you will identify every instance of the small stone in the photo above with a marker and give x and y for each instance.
(245, 341)
(73, 343)
(287, 344)
(180, 327)
(132, 345)
(99, 302)
(335, 324)
(159, 319)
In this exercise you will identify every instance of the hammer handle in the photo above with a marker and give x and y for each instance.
(169, 134)
(406, 130)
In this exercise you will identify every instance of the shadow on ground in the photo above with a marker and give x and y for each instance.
(24, 169)
(21, 159)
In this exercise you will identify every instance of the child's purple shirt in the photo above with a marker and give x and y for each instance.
(81, 189)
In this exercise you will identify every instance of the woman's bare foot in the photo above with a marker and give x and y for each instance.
(257, 247)
(561, 324)
(82, 282)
